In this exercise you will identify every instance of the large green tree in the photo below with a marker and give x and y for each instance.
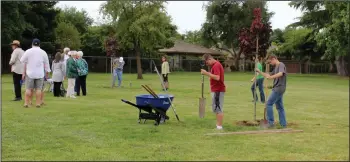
(67, 36)
(225, 19)
(79, 19)
(13, 22)
(42, 17)
(93, 40)
(298, 44)
(140, 25)
(194, 37)
(330, 23)
(277, 36)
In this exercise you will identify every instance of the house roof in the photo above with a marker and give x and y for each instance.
(182, 47)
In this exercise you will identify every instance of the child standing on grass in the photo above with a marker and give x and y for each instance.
(165, 72)
(259, 82)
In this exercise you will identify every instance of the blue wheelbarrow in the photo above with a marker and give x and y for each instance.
(152, 107)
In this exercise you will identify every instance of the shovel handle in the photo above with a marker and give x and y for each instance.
(202, 86)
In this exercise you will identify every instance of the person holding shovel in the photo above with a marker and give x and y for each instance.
(279, 76)
(258, 82)
(118, 65)
(217, 87)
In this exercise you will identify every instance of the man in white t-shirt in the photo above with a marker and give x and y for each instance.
(36, 65)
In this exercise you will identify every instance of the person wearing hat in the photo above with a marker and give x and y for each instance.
(37, 67)
(17, 68)
(118, 65)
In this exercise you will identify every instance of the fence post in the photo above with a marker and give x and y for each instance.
(150, 66)
(190, 65)
(106, 65)
(130, 65)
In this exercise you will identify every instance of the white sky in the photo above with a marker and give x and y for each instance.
(189, 15)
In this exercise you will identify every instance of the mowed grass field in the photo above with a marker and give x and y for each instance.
(101, 127)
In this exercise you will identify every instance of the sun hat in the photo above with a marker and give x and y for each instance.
(16, 42)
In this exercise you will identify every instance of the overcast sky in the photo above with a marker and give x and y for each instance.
(189, 15)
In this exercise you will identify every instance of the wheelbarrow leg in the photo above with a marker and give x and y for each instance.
(144, 121)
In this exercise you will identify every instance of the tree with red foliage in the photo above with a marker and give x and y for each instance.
(257, 36)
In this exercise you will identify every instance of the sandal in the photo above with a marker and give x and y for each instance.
(37, 106)
(25, 106)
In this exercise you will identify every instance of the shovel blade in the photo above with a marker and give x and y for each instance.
(201, 107)
(264, 124)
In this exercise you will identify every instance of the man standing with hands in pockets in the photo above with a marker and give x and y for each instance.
(217, 87)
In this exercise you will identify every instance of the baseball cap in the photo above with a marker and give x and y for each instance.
(36, 42)
(121, 59)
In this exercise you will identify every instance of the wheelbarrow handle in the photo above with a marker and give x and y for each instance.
(128, 102)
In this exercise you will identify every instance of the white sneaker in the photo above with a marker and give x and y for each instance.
(219, 127)
(72, 96)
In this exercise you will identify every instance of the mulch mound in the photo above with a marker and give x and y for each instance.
(257, 123)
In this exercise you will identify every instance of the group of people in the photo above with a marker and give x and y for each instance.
(75, 69)
(118, 65)
(32, 67)
(218, 88)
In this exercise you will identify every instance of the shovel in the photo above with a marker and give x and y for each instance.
(202, 101)
(264, 123)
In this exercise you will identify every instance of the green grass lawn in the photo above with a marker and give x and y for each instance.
(101, 127)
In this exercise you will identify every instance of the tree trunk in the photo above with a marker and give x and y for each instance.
(138, 60)
(330, 67)
(341, 66)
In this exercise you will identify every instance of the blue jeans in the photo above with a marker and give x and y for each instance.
(276, 98)
(117, 73)
(260, 84)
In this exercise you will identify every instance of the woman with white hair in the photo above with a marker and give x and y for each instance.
(83, 70)
(71, 73)
(65, 54)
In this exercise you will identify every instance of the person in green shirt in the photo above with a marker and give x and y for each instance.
(259, 81)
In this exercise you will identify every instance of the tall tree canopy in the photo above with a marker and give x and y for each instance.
(330, 23)
(79, 19)
(67, 36)
(13, 22)
(194, 37)
(140, 25)
(225, 19)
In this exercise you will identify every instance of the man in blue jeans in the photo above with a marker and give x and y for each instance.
(118, 64)
(259, 82)
(279, 76)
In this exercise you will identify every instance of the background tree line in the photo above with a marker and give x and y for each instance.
(141, 27)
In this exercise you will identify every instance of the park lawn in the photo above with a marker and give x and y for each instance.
(101, 127)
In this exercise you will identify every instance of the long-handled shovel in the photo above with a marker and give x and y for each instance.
(255, 85)
(202, 101)
(264, 123)
(161, 80)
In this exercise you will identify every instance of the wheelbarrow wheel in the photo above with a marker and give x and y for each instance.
(156, 123)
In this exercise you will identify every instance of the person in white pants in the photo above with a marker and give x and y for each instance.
(71, 73)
